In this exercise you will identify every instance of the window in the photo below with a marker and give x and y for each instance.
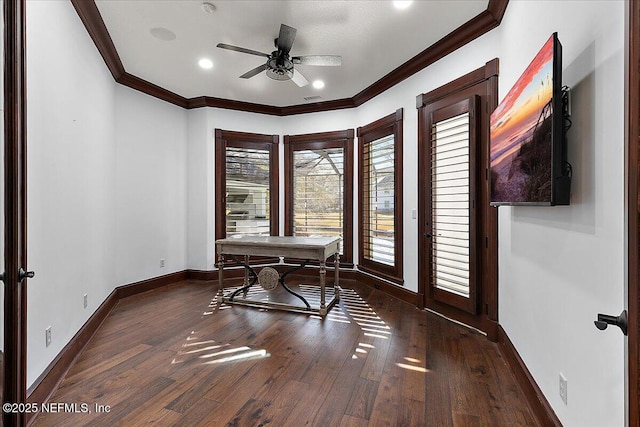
(246, 184)
(380, 197)
(319, 187)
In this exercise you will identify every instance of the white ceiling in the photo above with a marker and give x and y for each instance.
(372, 37)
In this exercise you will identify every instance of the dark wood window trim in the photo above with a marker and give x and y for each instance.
(226, 138)
(337, 139)
(486, 78)
(389, 125)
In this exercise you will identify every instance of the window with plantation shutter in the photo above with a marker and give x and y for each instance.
(246, 184)
(319, 187)
(380, 196)
(247, 192)
(451, 204)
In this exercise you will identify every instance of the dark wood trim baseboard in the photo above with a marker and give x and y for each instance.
(467, 32)
(537, 402)
(149, 284)
(44, 386)
(231, 273)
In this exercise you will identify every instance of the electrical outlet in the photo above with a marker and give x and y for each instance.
(413, 214)
(161, 262)
(47, 336)
(85, 300)
(563, 388)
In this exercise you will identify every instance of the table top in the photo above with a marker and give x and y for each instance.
(280, 241)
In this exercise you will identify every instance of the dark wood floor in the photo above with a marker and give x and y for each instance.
(172, 357)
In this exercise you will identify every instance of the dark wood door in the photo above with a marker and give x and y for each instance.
(457, 250)
(632, 159)
(14, 216)
(451, 204)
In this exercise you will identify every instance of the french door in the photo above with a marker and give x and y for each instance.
(14, 304)
(451, 208)
(457, 250)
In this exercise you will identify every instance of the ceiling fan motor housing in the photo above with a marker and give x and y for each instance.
(279, 68)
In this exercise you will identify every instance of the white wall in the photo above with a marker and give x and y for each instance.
(151, 196)
(561, 266)
(71, 185)
(106, 184)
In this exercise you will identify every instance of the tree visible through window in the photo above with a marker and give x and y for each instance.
(319, 187)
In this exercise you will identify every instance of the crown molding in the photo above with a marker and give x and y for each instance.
(472, 29)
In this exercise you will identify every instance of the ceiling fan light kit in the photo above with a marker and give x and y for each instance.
(280, 65)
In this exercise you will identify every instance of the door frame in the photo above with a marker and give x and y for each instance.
(15, 209)
(632, 177)
(487, 318)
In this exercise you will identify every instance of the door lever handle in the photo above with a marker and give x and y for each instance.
(25, 274)
(605, 320)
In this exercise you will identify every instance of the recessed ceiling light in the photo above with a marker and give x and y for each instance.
(318, 84)
(163, 34)
(205, 63)
(208, 7)
(402, 4)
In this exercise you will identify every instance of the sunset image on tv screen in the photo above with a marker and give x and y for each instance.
(521, 134)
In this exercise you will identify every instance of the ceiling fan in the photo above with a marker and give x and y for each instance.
(279, 65)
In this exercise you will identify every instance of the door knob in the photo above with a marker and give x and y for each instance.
(25, 274)
(605, 320)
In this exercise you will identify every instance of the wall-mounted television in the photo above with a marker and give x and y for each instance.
(528, 151)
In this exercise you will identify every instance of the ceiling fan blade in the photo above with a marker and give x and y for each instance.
(299, 79)
(241, 49)
(285, 38)
(254, 72)
(324, 60)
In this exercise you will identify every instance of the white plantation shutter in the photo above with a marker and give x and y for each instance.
(318, 198)
(247, 191)
(378, 200)
(450, 204)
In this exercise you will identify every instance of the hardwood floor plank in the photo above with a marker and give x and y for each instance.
(349, 421)
(362, 398)
(438, 410)
(173, 356)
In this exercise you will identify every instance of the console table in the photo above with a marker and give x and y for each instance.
(306, 248)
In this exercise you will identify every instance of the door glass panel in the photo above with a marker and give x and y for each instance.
(450, 189)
